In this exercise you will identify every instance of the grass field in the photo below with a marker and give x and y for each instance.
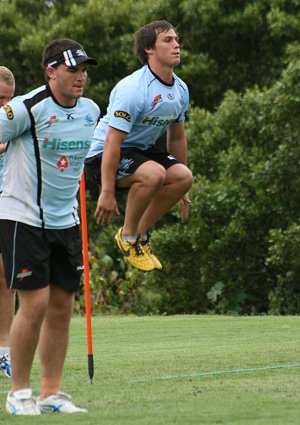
(180, 370)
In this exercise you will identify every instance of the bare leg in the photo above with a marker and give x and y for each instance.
(54, 339)
(7, 307)
(24, 334)
(177, 183)
(144, 183)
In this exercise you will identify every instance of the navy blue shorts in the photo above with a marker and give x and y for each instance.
(130, 160)
(34, 257)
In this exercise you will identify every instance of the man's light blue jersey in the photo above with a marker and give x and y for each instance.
(144, 107)
(44, 159)
(2, 160)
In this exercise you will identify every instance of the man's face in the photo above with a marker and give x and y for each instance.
(167, 48)
(6, 93)
(67, 82)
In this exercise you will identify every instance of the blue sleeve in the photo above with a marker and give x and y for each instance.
(14, 120)
(125, 106)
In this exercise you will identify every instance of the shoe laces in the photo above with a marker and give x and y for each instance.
(138, 248)
(146, 244)
(64, 398)
(29, 405)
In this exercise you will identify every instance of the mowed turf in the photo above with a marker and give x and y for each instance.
(180, 370)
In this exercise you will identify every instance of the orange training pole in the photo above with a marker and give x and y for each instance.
(86, 276)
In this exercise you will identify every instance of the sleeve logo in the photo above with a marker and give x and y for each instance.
(9, 112)
(122, 114)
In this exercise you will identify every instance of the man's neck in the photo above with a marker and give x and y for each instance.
(164, 73)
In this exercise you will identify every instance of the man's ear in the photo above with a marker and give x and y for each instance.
(51, 72)
(149, 50)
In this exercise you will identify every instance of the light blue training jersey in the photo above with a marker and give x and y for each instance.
(44, 159)
(144, 107)
(2, 159)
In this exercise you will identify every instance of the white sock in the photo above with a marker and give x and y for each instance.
(130, 239)
(4, 350)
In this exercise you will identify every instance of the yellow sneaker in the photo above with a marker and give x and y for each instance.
(134, 253)
(148, 250)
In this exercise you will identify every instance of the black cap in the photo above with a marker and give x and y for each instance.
(65, 51)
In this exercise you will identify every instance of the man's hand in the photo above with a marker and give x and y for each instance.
(106, 208)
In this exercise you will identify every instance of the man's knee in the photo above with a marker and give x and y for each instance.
(151, 174)
(33, 304)
(188, 177)
(182, 174)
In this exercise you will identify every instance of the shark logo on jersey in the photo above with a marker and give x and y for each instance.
(62, 164)
(88, 120)
(156, 100)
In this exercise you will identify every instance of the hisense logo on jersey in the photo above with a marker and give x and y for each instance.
(158, 121)
(58, 144)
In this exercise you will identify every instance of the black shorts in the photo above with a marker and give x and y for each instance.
(34, 257)
(130, 160)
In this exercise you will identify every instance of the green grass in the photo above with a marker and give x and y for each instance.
(166, 354)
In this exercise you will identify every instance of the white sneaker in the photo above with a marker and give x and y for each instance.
(21, 403)
(59, 402)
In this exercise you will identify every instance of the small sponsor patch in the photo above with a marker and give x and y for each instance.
(62, 163)
(52, 119)
(156, 100)
(9, 112)
(24, 273)
(123, 114)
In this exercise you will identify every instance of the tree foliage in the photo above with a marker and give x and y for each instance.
(242, 242)
(226, 44)
(239, 251)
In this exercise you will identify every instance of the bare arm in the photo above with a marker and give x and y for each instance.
(177, 143)
(3, 147)
(107, 205)
(177, 146)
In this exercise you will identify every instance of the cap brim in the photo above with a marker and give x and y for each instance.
(89, 60)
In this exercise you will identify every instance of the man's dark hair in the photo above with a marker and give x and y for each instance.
(145, 38)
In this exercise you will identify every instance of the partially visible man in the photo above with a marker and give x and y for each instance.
(49, 132)
(142, 107)
(7, 297)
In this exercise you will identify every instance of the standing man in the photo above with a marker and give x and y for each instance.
(50, 131)
(142, 107)
(7, 297)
